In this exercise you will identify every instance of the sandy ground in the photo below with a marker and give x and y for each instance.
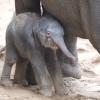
(87, 88)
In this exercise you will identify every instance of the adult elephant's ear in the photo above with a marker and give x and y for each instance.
(27, 6)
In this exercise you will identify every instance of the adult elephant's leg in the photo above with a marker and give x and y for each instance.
(68, 69)
(95, 38)
(94, 35)
(27, 6)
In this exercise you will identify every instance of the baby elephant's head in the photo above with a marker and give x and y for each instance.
(50, 32)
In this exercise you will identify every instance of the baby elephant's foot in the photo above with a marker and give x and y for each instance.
(6, 82)
(60, 91)
(47, 92)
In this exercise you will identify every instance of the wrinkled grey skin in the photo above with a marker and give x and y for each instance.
(67, 69)
(22, 6)
(27, 36)
(80, 18)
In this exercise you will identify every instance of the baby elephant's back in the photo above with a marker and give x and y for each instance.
(25, 19)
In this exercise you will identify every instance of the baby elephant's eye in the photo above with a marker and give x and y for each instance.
(48, 34)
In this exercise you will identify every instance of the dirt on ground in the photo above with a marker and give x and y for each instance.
(86, 88)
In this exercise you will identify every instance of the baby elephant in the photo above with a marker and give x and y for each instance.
(27, 36)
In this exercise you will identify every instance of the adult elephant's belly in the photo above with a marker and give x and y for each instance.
(68, 12)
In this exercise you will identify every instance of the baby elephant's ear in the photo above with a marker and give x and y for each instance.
(35, 27)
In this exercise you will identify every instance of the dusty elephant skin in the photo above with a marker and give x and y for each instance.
(27, 36)
(83, 18)
(21, 6)
(67, 68)
(79, 18)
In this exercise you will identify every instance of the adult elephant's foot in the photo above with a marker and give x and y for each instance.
(69, 70)
(6, 82)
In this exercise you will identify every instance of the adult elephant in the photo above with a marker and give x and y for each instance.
(79, 18)
(27, 6)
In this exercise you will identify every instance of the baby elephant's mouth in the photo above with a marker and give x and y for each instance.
(51, 45)
(54, 46)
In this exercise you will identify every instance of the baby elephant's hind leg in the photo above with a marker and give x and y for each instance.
(10, 59)
(20, 72)
(30, 77)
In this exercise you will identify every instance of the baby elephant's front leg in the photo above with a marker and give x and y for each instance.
(41, 74)
(55, 71)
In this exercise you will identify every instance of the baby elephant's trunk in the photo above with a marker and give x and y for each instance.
(59, 41)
